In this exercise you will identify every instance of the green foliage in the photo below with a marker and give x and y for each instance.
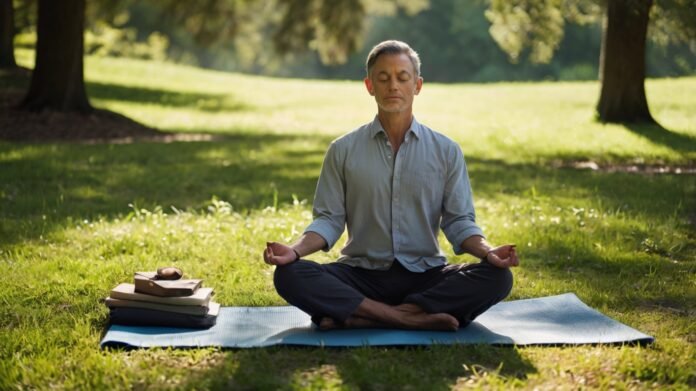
(330, 27)
(25, 14)
(76, 219)
(673, 22)
(234, 35)
(104, 40)
(537, 27)
(470, 54)
(521, 24)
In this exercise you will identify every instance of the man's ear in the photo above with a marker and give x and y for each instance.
(419, 85)
(370, 87)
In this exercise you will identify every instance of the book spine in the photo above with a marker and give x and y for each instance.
(178, 301)
(191, 310)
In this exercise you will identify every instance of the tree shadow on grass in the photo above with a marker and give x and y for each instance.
(160, 97)
(44, 186)
(18, 80)
(431, 368)
(620, 284)
(645, 195)
(663, 136)
(575, 261)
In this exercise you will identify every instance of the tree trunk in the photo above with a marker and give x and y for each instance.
(57, 82)
(7, 30)
(622, 62)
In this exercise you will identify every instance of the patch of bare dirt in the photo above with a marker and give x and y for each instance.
(632, 168)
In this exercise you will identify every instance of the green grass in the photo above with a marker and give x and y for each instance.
(76, 219)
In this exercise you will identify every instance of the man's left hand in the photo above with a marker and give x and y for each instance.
(503, 256)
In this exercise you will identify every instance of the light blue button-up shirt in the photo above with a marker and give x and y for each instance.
(394, 206)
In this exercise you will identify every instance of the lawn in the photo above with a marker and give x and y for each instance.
(76, 219)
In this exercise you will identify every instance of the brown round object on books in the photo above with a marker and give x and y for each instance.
(169, 273)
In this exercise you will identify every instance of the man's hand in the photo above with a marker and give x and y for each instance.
(282, 254)
(503, 256)
(278, 254)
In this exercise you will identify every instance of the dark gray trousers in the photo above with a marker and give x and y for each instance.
(336, 290)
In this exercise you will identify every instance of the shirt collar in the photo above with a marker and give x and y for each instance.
(415, 128)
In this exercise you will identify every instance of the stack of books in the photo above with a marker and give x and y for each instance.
(154, 301)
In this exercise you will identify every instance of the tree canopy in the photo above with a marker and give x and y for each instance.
(536, 26)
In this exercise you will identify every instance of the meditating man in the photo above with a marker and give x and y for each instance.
(394, 183)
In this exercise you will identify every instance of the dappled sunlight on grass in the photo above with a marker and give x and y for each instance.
(71, 181)
(619, 241)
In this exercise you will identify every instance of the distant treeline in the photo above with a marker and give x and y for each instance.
(454, 43)
(452, 37)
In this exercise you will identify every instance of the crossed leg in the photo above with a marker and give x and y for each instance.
(339, 296)
(371, 313)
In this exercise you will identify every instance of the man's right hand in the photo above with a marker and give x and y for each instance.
(278, 254)
(503, 256)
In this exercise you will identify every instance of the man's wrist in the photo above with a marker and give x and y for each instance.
(297, 255)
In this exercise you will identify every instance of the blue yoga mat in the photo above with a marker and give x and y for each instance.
(552, 320)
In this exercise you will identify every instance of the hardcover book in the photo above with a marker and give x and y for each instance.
(126, 291)
(144, 317)
(211, 309)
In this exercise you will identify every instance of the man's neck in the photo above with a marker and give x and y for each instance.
(396, 125)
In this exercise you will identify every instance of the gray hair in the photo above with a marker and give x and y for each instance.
(392, 47)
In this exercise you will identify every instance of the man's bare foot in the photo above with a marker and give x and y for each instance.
(414, 313)
(352, 322)
(373, 314)
(409, 307)
(425, 321)
(409, 321)
(356, 322)
(327, 323)
(405, 316)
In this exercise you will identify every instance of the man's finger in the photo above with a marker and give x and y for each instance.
(514, 260)
(268, 255)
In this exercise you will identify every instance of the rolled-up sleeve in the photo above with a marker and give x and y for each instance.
(329, 207)
(458, 215)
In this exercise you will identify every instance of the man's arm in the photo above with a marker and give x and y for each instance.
(458, 216)
(282, 254)
(329, 216)
(504, 256)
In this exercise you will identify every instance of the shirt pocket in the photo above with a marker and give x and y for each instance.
(426, 185)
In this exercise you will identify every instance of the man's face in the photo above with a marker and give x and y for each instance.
(393, 83)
